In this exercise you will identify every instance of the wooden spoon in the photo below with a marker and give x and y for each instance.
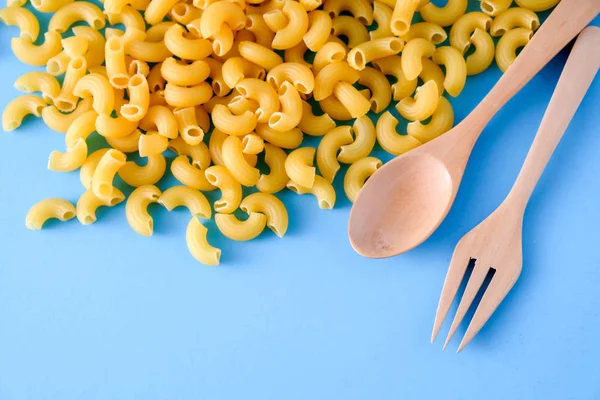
(405, 201)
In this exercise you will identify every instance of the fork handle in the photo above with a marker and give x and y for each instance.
(577, 76)
(564, 23)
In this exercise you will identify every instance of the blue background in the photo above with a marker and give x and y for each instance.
(99, 312)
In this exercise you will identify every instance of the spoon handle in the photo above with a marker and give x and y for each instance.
(563, 24)
(577, 76)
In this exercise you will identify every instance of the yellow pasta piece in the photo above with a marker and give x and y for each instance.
(81, 128)
(189, 175)
(69, 161)
(231, 189)
(24, 19)
(330, 75)
(392, 66)
(221, 13)
(277, 178)
(352, 99)
(353, 29)
(48, 6)
(156, 82)
(235, 69)
(234, 160)
(537, 5)
(362, 10)
(118, 127)
(136, 209)
(48, 209)
(184, 47)
(126, 144)
(137, 175)
(514, 18)
(88, 168)
(286, 140)
(291, 109)
(252, 144)
(357, 174)
(462, 30)
(446, 15)
(402, 16)
(378, 85)
(312, 124)
(237, 125)
(364, 53)
(157, 10)
(78, 11)
(296, 54)
(382, 14)
(331, 52)
(256, 24)
(60, 122)
(322, 190)
(299, 75)
(422, 105)
(139, 99)
(185, 13)
(456, 69)
(240, 104)
(67, 99)
(198, 246)
(95, 54)
(328, 150)
(41, 82)
(128, 15)
(161, 119)
(105, 172)
(259, 55)
(199, 153)
(336, 110)
(189, 129)
(426, 30)
(495, 7)
(19, 108)
(483, 56)
(153, 48)
(116, 68)
(261, 92)
(299, 166)
(509, 43)
(183, 196)
(364, 140)
(182, 97)
(389, 139)
(310, 5)
(231, 227)
(88, 203)
(320, 24)
(297, 25)
(152, 143)
(412, 56)
(99, 88)
(37, 56)
(441, 122)
(271, 207)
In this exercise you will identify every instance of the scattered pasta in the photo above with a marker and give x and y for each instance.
(232, 87)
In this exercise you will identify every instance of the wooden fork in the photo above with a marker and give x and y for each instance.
(496, 242)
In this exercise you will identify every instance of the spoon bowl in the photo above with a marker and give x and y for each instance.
(416, 191)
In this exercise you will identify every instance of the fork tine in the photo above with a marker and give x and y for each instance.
(493, 296)
(456, 273)
(475, 281)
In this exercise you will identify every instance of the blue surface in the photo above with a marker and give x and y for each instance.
(99, 312)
